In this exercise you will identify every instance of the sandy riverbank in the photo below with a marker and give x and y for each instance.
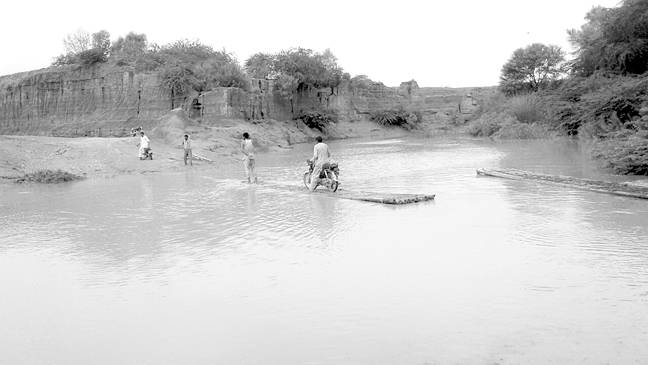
(107, 157)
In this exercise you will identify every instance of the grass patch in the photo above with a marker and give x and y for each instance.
(48, 177)
(526, 108)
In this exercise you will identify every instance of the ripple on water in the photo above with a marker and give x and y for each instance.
(532, 260)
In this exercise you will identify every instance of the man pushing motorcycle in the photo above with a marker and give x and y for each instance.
(321, 155)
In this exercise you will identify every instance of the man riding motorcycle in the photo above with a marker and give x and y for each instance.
(321, 155)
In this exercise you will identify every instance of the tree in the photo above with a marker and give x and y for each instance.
(613, 39)
(129, 48)
(84, 49)
(77, 42)
(223, 70)
(532, 68)
(91, 57)
(261, 66)
(101, 41)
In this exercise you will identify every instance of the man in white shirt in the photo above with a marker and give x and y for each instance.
(186, 145)
(249, 162)
(321, 155)
(144, 145)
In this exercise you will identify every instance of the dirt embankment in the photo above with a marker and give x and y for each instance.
(107, 157)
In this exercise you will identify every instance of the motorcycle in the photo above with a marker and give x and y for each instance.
(328, 176)
(146, 154)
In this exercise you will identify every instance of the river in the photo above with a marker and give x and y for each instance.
(198, 268)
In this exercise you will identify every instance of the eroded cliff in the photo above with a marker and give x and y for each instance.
(109, 101)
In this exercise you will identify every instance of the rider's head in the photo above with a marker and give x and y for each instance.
(318, 139)
(141, 133)
(186, 136)
(246, 135)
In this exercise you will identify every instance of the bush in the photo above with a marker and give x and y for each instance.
(48, 177)
(625, 154)
(504, 126)
(488, 124)
(91, 57)
(526, 108)
(523, 131)
(318, 120)
(396, 118)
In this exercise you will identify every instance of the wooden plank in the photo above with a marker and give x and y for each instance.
(366, 196)
(382, 198)
(607, 187)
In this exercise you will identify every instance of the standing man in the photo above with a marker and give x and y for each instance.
(321, 155)
(248, 160)
(186, 145)
(145, 146)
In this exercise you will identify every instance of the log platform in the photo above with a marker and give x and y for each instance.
(382, 198)
(365, 196)
(622, 189)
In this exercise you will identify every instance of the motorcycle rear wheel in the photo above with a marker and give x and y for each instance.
(307, 179)
(332, 183)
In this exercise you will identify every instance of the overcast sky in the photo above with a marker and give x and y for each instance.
(438, 43)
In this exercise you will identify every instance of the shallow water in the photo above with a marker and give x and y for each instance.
(197, 267)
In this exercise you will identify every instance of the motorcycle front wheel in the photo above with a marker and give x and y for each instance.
(334, 186)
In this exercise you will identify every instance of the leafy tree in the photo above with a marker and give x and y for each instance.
(532, 68)
(177, 80)
(91, 57)
(101, 41)
(222, 70)
(190, 65)
(188, 51)
(84, 49)
(261, 65)
(613, 39)
(130, 48)
(77, 42)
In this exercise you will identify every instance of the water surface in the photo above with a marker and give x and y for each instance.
(199, 268)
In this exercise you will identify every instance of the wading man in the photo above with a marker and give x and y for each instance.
(321, 155)
(145, 147)
(186, 145)
(248, 160)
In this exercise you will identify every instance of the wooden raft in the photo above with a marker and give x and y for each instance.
(382, 198)
(622, 189)
(365, 196)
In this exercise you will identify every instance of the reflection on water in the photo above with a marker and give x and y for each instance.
(198, 267)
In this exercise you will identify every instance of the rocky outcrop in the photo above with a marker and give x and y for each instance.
(109, 101)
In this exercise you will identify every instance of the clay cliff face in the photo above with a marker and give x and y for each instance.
(108, 101)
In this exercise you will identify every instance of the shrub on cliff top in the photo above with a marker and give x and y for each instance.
(48, 177)
(396, 118)
(318, 120)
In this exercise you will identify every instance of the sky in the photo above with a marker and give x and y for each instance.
(438, 43)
